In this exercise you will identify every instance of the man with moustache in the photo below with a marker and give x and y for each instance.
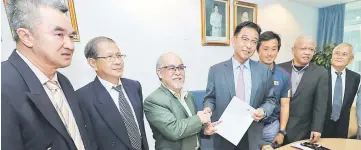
(114, 103)
(171, 110)
(275, 126)
(343, 87)
(39, 110)
(309, 93)
(249, 80)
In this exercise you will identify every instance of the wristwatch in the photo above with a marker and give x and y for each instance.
(282, 132)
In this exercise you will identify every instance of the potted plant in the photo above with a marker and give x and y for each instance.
(323, 58)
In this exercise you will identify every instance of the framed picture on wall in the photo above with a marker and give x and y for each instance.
(244, 11)
(70, 14)
(215, 22)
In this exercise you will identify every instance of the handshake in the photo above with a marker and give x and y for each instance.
(205, 117)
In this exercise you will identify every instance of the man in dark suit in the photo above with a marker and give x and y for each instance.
(309, 93)
(114, 103)
(249, 80)
(39, 109)
(343, 86)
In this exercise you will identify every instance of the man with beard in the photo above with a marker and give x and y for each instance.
(171, 110)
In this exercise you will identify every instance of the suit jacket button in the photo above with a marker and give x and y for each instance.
(85, 126)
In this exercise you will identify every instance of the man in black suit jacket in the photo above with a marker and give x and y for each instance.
(114, 103)
(308, 93)
(342, 92)
(31, 115)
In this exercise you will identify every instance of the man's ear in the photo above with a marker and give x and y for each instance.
(26, 37)
(92, 62)
(159, 74)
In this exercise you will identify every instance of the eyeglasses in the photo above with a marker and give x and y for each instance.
(341, 54)
(246, 40)
(172, 69)
(113, 57)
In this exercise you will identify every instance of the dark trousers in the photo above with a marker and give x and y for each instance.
(332, 129)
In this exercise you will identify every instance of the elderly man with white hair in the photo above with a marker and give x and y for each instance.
(343, 88)
(309, 93)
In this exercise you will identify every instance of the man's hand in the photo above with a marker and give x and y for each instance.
(208, 110)
(267, 147)
(258, 114)
(205, 117)
(315, 136)
(278, 139)
(210, 129)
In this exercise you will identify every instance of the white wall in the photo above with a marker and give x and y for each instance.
(145, 29)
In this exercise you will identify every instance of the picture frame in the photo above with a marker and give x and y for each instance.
(71, 14)
(215, 16)
(244, 11)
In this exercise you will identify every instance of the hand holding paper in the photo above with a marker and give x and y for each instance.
(258, 114)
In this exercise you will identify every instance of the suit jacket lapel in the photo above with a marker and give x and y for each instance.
(108, 110)
(348, 83)
(38, 95)
(74, 106)
(307, 75)
(255, 79)
(175, 99)
(229, 77)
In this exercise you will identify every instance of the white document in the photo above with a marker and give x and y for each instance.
(298, 145)
(236, 120)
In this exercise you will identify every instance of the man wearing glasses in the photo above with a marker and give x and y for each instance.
(249, 80)
(171, 110)
(343, 88)
(114, 104)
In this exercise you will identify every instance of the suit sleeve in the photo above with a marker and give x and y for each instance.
(167, 124)
(358, 110)
(320, 103)
(210, 97)
(10, 126)
(270, 99)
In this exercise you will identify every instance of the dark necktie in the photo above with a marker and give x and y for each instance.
(129, 121)
(337, 98)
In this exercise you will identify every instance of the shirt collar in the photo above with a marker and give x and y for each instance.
(108, 86)
(40, 75)
(333, 70)
(183, 92)
(236, 64)
(294, 68)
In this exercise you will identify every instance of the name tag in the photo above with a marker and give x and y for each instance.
(275, 82)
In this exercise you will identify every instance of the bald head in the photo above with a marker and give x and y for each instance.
(304, 39)
(303, 50)
(164, 58)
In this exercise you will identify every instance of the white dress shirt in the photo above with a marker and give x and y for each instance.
(334, 77)
(246, 77)
(115, 96)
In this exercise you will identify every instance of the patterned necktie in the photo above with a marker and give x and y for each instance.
(129, 121)
(240, 85)
(65, 114)
(337, 98)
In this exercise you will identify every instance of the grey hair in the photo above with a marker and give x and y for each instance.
(159, 62)
(24, 13)
(91, 48)
(345, 45)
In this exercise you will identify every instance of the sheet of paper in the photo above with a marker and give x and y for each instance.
(236, 120)
(298, 145)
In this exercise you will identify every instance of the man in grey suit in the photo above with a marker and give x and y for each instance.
(248, 80)
(309, 93)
